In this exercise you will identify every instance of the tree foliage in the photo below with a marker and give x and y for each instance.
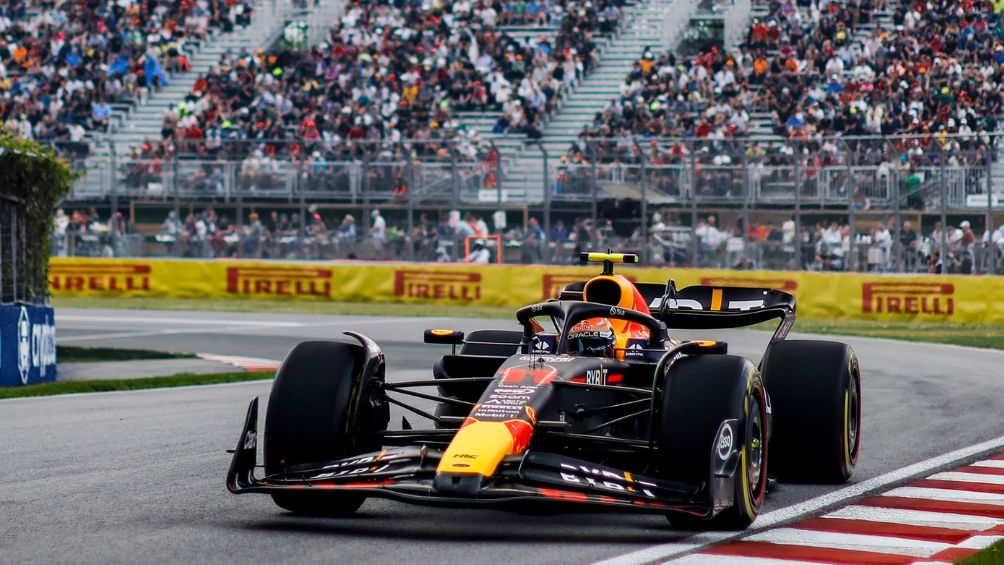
(32, 181)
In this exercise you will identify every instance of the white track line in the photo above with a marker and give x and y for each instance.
(949, 495)
(142, 391)
(175, 321)
(853, 542)
(152, 333)
(915, 518)
(806, 508)
(980, 542)
(703, 559)
(969, 478)
(993, 463)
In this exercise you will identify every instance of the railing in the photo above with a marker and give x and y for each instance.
(344, 181)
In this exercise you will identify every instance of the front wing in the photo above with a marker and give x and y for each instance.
(408, 474)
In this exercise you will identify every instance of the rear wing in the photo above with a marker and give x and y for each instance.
(711, 307)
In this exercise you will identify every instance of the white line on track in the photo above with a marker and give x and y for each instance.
(142, 391)
(994, 463)
(151, 333)
(980, 542)
(704, 559)
(915, 518)
(950, 495)
(969, 478)
(175, 321)
(806, 508)
(857, 542)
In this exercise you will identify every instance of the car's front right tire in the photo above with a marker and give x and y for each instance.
(701, 392)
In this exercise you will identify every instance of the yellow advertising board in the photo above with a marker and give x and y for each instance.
(865, 296)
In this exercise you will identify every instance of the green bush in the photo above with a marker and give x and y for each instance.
(32, 181)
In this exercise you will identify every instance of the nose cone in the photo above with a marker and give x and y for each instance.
(477, 449)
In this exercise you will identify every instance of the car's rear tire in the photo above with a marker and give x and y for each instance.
(307, 420)
(701, 393)
(815, 394)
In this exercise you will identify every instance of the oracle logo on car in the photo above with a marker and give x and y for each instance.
(283, 281)
(438, 285)
(787, 285)
(98, 277)
(908, 298)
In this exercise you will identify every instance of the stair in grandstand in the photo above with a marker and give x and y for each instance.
(143, 122)
(645, 26)
(509, 145)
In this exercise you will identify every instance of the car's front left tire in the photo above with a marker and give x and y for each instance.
(309, 420)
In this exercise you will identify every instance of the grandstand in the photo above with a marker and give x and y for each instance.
(658, 117)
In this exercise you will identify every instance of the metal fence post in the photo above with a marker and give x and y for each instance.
(547, 197)
(798, 209)
(897, 243)
(454, 177)
(593, 179)
(744, 183)
(990, 252)
(852, 234)
(13, 251)
(692, 186)
(364, 188)
(943, 189)
(643, 231)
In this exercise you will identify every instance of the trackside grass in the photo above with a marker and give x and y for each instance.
(993, 555)
(73, 354)
(985, 336)
(181, 379)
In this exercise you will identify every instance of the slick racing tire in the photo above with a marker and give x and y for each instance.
(308, 420)
(815, 395)
(700, 393)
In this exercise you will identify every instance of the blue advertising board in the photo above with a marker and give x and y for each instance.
(27, 345)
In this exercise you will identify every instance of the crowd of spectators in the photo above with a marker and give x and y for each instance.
(63, 64)
(820, 69)
(823, 245)
(390, 71)
(675, 238)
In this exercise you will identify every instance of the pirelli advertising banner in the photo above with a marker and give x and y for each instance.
(960, 299)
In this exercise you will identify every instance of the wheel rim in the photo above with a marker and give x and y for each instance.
(853, 417)
(755, 450)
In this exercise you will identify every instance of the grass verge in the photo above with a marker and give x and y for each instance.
(73, 354)
(985, 336)
(181, 379)
(993, 555)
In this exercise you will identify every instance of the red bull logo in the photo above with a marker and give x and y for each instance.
(281, 281)
(100, 278)
(437, 285)
(908, 298)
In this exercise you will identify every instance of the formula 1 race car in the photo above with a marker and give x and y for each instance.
(590, 405)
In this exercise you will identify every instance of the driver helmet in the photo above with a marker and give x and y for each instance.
(592, 338)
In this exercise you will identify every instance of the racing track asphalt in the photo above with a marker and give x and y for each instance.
(138, 476)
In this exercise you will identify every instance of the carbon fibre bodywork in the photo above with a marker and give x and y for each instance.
(543, 426)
